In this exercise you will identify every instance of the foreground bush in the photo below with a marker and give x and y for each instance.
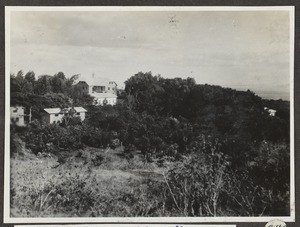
(205, 184)
(197, 184)
(71, 196)
(53, 138)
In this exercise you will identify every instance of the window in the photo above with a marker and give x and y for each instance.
(17, 119)
(108, 88)
(56, 115)
(54, 122)
(15, 110)
(113, 88)
(77, 113)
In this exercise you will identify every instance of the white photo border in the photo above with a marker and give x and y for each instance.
(6, 198)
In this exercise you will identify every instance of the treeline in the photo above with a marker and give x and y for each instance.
(211, 109)
(228, 155)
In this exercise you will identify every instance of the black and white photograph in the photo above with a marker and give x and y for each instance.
(148, 114)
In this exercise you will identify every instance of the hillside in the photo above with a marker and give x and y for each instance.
(210, 150)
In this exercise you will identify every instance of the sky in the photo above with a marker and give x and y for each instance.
(237, 49)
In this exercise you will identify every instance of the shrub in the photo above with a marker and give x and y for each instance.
(197, 183)
(206, 182)
(52, 138)
(97, 160)
(71, 196)
(15, 144)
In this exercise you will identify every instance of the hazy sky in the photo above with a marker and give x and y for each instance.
(246, 49)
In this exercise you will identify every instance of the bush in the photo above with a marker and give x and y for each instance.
(95, 137)
(207, 182)
(15, 144)
(196, 184)
(97, 160)
(52, 138)
(71, 196)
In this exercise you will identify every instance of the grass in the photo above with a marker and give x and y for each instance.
(88, 183)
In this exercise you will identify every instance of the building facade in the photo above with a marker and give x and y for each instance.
(83, 88)
(17, 115)
(55, 115)
(103, 93)
(271, 112)
(112, 87)
(101, 99)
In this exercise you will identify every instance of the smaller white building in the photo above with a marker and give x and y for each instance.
(271, 112)
(17, 115)
(55, 115)
(104, 99)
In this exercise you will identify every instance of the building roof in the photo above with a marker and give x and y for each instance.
(95, 81)
(59, 110)
(80, 81)
(79, 109)
(103, 95)
(52, 110)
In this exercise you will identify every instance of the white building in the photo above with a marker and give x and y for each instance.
(103, 92)
(271, 112)
(104, 99)
(17, 115)
(91, 86)
(55, 115)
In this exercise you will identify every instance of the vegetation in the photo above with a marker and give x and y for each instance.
(210, 151)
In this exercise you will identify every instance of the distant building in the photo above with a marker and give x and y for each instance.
(104, 99)
(55, 115)
(83, 88)
(90, 87)
(112, 87)
(17, 115)
(271, 112)
(104, 92)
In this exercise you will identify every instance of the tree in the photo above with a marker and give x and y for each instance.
(172, 100)
(58, 83)
(141, 89)
(69, 84)
(19, 84)
(20, 74)
(15, 85)
(157, 95)
(30, 77)
(43, 85)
